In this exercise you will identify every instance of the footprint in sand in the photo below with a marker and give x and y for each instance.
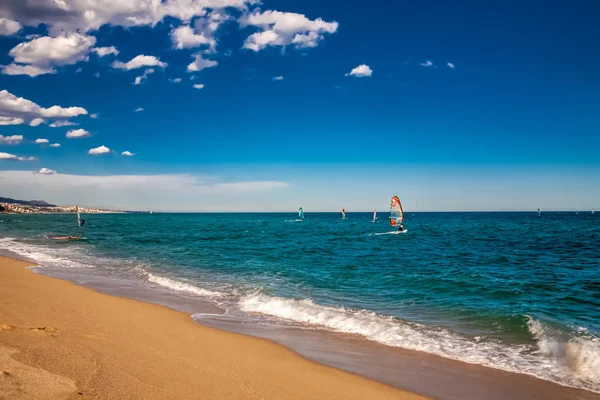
(45, 329)
(20, 381)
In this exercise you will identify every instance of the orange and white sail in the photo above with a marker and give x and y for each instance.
(396, 212)
(343, 213)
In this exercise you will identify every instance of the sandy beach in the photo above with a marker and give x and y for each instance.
(63, 341)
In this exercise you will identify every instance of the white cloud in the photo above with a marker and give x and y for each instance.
(139, 109)
(99, 150)
(14, 139)
(78, 70)
(40, 56)
(127, 153)
(17, 110)
(42, 141)
(93, 116)
(184, 37)
(6, 120)
(89, 15)
(361, 71)
(259, 40)
(30, 70)
(97, 74)
(199, 86)
(175, 80)
(285, 28)
(139, 79)
(167, 192)
(200, 63)
(60, 124)
(450, 65)
(278, 78)
(306, 40)
(55, 145)
(139, 62)
(427, 64)
(37, 121)
(77, 134)
(104, 51)
(12, 157)
(9, 27)
(46, 171)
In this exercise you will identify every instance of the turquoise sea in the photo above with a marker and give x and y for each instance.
(512, 291)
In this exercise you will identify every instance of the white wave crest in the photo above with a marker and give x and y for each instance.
(179, 286)
(42, 256)
(579, 356)
(581, 372)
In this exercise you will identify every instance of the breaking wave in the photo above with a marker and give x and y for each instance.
(573, 363)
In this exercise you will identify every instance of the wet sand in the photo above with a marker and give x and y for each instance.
(63, 341)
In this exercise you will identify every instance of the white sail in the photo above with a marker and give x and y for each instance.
(374, 215)
(78, 216)
(301, 213)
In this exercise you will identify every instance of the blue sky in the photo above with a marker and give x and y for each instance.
(511, 124)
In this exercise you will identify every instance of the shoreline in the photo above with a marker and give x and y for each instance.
(417, 372)
(62, 340)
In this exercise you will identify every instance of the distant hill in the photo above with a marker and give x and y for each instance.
(36, 203)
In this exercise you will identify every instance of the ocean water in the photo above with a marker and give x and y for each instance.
(512, 291)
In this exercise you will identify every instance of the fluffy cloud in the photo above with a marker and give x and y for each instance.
(77, 134)
(139, 79)
(200, 63)
(17, 110)
(278, 78)
(361, 71)
(55, 145)
(285, 28)
(104, 51)
(139, 62)
(93, 116)
(40, 56)
(14, 139)
(427, 64)
(30, 70)
(9, 27)
(127, 153)
(175, 80)
(450, 65)
(139, 109)
(99, 150)
(184, 37)
(46, 171)
(5, 120)
(42, 141)
(199, 86)
(12, 157)
(37, 121)
(89, 15)
(60, 124)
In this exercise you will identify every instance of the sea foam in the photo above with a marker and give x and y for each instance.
(575, 363)
(180, 286)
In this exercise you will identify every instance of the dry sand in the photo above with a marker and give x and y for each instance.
(63, 341)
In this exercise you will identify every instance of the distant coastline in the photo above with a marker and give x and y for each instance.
(12, 206)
